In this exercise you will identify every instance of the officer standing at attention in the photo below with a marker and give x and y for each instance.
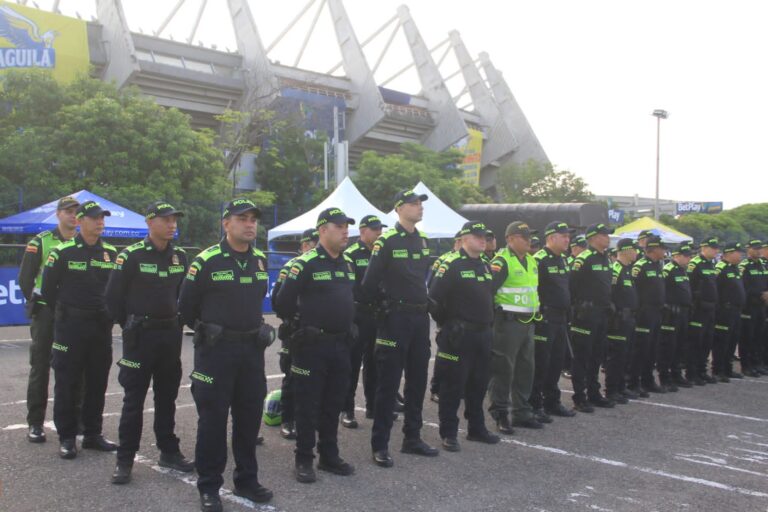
(701, 328)
(41, 325)
(515, 285)
(591, 278)
(535, 245)
(551, 336)
(754, 273)
(490, 246)
(731, 300)
(578, 245)
(673, 350)
(365, 320)
(319, 288)
(648, 273)
(142, 296)
(399, 264)
(74, 280)
(221, 299)
(621, 325)
(308, 242)
(463, 293)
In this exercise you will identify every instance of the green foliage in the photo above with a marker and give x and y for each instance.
(738, 224)
(56, 139)
(535, 182)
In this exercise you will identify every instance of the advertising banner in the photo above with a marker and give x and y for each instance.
(472, 148)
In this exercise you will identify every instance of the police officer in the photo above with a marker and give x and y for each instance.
(463, 294)
(41, 324)
(289, 325)
(399, 264)
(731, 300)
(516, 299)
(621, 326)
(490, 246)
(535, 245)
(221, 299)
(319, 287)
(142, 296)
(755, 276)
(551, 333)
(591, 278)
(365, 320)
(74, 281)
(577, 245)
(673, 351)
(648, 273)
(701, 272)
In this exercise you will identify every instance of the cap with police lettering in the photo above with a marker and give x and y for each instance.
(490, 235)
(598, 229)
(558, 227)
(67, 202)
(334, 215)
(644, 234)
(756, 244)
(91, 209)
(473, 227)
(240, 206)
(684, 249)
(626, 243)
(652, 241)
(732, 247)
(372, 222)
(162, 209)
(712, 242)
(408, 196)
(519, 228)
(578, 241)
(310, 235)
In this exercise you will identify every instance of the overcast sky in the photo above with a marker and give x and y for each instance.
(587, 74)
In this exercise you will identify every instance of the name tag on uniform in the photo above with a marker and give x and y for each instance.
(223, 275)
(468, 274)
(338, 274)
(262, 276)
(651, 273)
(400, 253)
(321, 276)
(416, 256)
(176, 269)
(77, 265)
(148, 268)
(361, 263)
(246, 279)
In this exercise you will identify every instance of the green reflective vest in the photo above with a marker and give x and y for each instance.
(48, 243)
(519, 292)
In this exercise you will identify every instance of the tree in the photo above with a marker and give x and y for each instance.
(536, 182)
(737, 225)
(56, 139)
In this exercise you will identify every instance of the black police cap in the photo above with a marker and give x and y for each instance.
(473, 227)
(684, 249)
(652, 241)
(372, 222)
(626, 243)
(409, 196)
(732, 247)
(334, 215)
(558, 227)
(239, 206)
(91, 209)
(712, 242)
(162, 209)
(598, 229)
(310, 235)
(578, 241)
(756, 244)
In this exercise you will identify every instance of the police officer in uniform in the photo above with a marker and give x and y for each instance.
(142, 296)
(701, 272)
(74, 281)
(577, 245)
(365, 320)
(490, 246)
(399, 264)
(308, 242)
(591, 278)
(755, 276)
(515, 284)
(319, 287)
(673, 350)
(41, 324)
(731, 299)
(221, 299)
(551, 333)
(535, 245)
(648, 273)
(462, 291)
(621, 326)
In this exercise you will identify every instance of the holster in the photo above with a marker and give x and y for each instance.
(207, 334)
(308, 335)
(452, 332)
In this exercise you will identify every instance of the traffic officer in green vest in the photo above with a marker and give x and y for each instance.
(591, 278)
(621, 325)
(41, 317)
(731, 300)
(319, 288)
(551, 333)
(648, 273)
(288, 326)
(462, 292)
(577, 245)
(142, 297)
(673, 350)
(516, 299)
(221, 299)
(490, 246)
(754, 272)
(701, 328)
(74, 280)
(365, 320)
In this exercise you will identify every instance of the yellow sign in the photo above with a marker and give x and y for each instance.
(472, 148)
(35, 39)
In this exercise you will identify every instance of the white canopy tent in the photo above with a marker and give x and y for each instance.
(346, 196)
(439, 221)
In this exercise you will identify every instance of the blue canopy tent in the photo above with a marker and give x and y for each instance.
(122, 224)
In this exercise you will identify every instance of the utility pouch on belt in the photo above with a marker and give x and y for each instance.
(266, 335)
(207, 334)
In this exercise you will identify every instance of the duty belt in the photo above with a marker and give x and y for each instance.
(240, 336)
(154, 323)
(83, 313)
(511, 315)
(412, 308)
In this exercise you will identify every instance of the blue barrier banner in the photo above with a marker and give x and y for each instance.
(11, 299)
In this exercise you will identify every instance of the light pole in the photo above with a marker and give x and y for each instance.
(659, 115)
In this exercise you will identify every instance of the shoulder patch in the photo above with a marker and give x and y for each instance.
(134, 247)
(540, 255)
(257, 252)
(210, 252)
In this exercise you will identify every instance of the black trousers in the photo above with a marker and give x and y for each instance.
(228, 377)
(321, 378)
(589, 340)
(550, 347)
(701, 331)
(82, 352)
(402, 345)
(752, 335)
(621, 331)
(727, 330)
(673, 350)
(643, 356)
(153, 356)
(287, 403)
(361, 353)
(464, 371)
